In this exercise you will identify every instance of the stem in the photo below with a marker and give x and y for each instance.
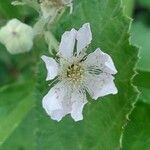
(52, 42)
(43, 26)
(49, 37)
(56, 18)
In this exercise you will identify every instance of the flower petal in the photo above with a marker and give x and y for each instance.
(109, 65)
(100, 85)
(67, 44)
(57, 102)
(102, 61)
(84, 37)
(52, 102)
(79, 100)
(51, 66)
(57, 115)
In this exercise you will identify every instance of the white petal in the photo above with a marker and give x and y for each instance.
(79, 100)
(84, 37)
(51, 66)
(109, 64)
(52, 102)
(57, 103)
(67, 44)
(100, 85)
(107, 89)
(101, 60)
(57, 115)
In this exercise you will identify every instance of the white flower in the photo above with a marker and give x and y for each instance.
(76, 73)
(17, 36)
(50, 8)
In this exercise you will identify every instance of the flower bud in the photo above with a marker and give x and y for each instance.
(49, 8)
(17, 36)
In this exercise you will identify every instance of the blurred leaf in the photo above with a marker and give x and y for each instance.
(17, 120)
(145, 3)
(8, 11)
(16, 101)
(140, 37)
(16, 67)
(128, 7)
(24, 137)
(104, 118)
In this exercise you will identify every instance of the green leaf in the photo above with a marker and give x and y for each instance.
(128, 6)
(145, 3)
(16, 102)
(140, 37)
(137, 132)
(104, 118)
(9, 11)
(142, 80)
(136, 135)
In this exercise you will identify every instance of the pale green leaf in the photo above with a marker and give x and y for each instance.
(140, 37)
(128, 6)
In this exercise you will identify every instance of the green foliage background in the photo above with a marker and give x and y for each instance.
(109, 123)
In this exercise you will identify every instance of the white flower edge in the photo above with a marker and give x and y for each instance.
(17, 36)
(52, 67)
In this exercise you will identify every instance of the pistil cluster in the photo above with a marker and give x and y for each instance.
(75, 73)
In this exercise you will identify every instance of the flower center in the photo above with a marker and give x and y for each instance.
(75, 72)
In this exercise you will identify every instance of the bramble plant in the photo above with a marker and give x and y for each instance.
(82, 48)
